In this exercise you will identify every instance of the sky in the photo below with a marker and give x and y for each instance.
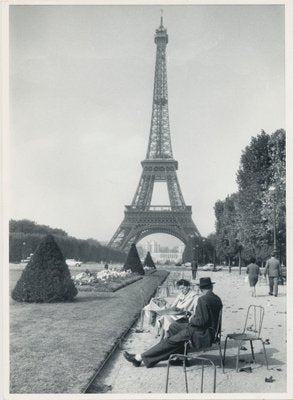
(81, 86)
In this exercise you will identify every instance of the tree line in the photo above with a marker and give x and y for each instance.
(26, 235)
(248, 221)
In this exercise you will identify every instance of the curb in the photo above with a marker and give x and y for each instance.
(117, 343)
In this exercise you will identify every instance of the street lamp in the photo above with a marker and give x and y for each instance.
(272, 191)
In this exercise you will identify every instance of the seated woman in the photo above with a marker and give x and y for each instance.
(176, 311)
(253, 272)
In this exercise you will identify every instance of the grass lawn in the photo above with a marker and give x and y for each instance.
(55, 348)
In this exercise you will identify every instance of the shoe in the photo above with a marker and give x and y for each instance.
(275, 295)
(270, 293)
(270, 379)
(131, 358)
(246, 369)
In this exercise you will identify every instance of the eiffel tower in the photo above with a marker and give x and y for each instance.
(141, 218)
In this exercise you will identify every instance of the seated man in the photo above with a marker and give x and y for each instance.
(200, 329)
(183, 303)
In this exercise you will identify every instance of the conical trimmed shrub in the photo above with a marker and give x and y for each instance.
(46, 278)
(148, 262)
(133, 261)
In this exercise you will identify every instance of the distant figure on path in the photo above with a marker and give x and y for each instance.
(253, 272)
(200, 329)
(193, 269)
(274, 272)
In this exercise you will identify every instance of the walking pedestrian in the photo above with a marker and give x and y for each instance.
(274, 272)
(253, 272)
(193, 269)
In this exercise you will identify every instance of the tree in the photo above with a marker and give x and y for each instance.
(211, 242)
(227, 227)
(25, 236)
(27, 226)
(245, 220)
(133, 261)
(148, 262)
(46, 278)
(277, 199)
(262, 165)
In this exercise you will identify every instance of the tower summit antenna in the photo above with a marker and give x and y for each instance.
(162, 11)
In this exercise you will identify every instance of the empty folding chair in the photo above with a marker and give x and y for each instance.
(251, 332)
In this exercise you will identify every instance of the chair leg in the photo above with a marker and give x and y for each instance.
(238, 353)
(221, 357)
(265, 353)
(252, 352)
(167, 377)
(224, 357)
(185, 374)
(215, 379)
(202, 376)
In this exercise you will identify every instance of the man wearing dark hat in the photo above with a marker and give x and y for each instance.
(200, 329)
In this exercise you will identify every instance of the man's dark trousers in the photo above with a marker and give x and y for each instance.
(273, 282)
(193, 269)
(178, 334)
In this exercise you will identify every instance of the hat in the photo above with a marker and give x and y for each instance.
(205, 283)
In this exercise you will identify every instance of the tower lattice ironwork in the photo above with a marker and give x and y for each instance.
(141, 218)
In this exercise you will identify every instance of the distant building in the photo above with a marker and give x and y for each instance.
(164, 254)
(161, 258)
(152, 247)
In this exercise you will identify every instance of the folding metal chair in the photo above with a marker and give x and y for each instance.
(188, 354)
(251, 332)
(162, 290)
(184, 358)
(217, 341)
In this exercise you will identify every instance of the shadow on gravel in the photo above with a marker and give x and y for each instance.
(268, 296)
(230, 361)
(99, 388)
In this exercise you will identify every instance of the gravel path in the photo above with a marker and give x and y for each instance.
(121, 377)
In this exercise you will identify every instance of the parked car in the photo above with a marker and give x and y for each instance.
(208, 267)
(71, 262)
(211, 267)
(27, 259)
